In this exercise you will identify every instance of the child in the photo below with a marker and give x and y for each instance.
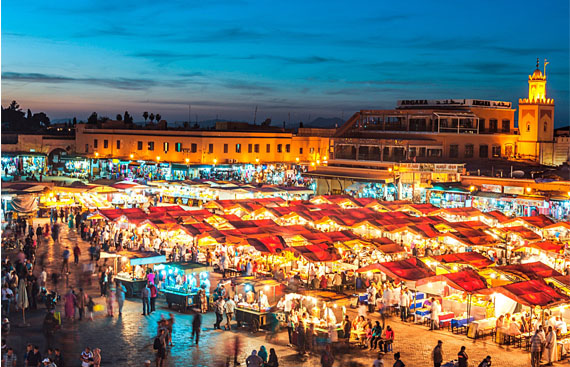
(90, 307)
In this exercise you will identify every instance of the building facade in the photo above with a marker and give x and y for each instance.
(201, 146)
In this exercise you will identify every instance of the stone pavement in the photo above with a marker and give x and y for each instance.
(127, 341)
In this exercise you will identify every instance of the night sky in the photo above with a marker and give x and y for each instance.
(306, 58)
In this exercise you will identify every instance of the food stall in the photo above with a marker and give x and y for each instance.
(254, 300)
(134, 267)
(318, 310)
(180, 283)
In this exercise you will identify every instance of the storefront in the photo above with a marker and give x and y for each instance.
(23, 164)
(447, 196)
(79, 167)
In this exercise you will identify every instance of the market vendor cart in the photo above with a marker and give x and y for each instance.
(181, 283)
(255, 319)
(134, 267)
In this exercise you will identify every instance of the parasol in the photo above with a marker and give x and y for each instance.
(23, 302)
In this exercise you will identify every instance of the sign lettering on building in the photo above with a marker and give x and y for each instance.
(514, 190)
(492, 188)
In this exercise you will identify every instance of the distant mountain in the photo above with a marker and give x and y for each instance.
(324, 122)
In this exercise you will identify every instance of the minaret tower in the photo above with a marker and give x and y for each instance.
(536, 119)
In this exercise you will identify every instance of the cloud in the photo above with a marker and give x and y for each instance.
(116, 83)
(245, 85)
(165, 57)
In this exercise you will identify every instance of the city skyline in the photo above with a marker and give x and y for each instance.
(303, 59)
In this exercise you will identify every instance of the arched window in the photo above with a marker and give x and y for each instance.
(545, 126)
(527, 127)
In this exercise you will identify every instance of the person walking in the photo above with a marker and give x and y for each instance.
(96, 358)
(219, 309)
(535, 347)
(170, 327)
(82, 300)
(379, 361)
(229, 307)
(70, 301)
(65, 265)
(327, 358)
(153, 295)
(110, 300)
(160, 347)
(9, 359)
(76, 254)
(550, 347)
(145, 295)
(196, 325)
(120, 294)
(462, 358)
(404, 304)
(437, 354)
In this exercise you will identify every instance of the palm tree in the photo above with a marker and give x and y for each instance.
(158, 117)
(145, 115)
(151, 117)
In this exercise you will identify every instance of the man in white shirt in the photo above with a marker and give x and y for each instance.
(379, 362)
(229, 307)
(561, 326)
(434, 314)
(7, 296)
(404, 304)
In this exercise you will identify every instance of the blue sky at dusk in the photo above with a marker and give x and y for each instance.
(307, 58)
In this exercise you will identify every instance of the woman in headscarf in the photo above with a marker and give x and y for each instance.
(110, 299)
(70, 301)
(263, 353)
(70, 222)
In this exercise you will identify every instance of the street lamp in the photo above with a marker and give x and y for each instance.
(158, 158)
(297, 159)
(132, 156)
(187, 160)
(96, 154)
(256, 160)
(215, 160)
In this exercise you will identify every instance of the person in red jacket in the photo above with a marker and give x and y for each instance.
(76, 253)
(153, 295)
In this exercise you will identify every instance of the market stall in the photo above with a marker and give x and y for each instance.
(253, 301)
(134, 267)
(181, 282)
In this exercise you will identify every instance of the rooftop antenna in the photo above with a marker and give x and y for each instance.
(545, 63)
(255, 115)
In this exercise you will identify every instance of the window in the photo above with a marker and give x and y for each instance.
(193, 148)
(386, 152)
(545, 126)
(151, 145)
(279, 148)
(268, 148)
(493, 125)
(454, 151)
(238, 148)
(165, 147)
(483, 151)
(118, 144)
(527, 128)
(178, 147)
(468, 151)
(311, 150)
(300, 150)
(210, 148)
(288, 148)
(250, 148)
(95, 143)
(481, 125)
(139, 145)
(256, 148)
(434, 153)
(412, 152)
(506, 126)
(86, 148)
(225, 148)
(496, 151)
(422, 152)
(105, 144)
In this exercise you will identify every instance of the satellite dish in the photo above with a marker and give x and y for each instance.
(518, 174)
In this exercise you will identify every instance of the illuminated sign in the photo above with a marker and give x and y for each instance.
(453, 102)
(491, 188)
(514, 190)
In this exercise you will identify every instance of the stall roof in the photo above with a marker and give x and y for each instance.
(165, 209)
(547, 246)
(534, 270)
(268, 245)
(317, 252)
(188, 267)
(530, 293)
(143, 257)
(474, 259)
(523, 232)
(411, 269)
(539, 221)
(497, 215)
(467, 280)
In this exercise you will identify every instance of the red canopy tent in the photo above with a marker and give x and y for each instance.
(321, 252)
(408, 270)
(466, 281)
(268, 245)
(547, 246)
(474, 259)
(530, 293)
(534, 270)
(164, 209)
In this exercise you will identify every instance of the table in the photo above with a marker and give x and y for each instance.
(185, 300)
(458, 323)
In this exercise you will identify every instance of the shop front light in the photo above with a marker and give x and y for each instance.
(132, 156)
(96, 154)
